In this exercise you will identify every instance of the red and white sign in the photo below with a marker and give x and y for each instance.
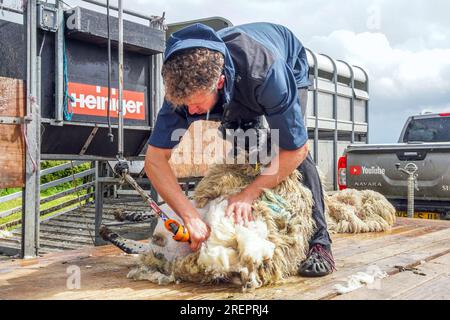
(92, 100)
(355, 170)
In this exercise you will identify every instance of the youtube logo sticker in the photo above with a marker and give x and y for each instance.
(355, 170)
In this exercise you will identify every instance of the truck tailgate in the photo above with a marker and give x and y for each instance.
(373, 167)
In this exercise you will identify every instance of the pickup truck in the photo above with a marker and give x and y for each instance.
(425, 143)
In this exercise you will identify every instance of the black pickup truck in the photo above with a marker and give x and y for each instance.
(424, 144)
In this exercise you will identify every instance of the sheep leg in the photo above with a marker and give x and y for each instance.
(126, 245)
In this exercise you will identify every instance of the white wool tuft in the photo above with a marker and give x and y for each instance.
(231, 243)
(252, 243)
(361, 279)
(152, 275)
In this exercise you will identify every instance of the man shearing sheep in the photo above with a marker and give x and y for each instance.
(237, 75)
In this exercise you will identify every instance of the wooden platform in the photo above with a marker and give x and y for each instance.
(415, 254)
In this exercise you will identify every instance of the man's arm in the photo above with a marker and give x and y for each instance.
(282, 165)
(163, 179)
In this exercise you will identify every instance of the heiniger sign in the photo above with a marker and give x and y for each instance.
(92, 100)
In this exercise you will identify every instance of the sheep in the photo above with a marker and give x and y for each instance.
(268, 249)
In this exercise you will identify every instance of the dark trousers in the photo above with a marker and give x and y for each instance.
(311, 180)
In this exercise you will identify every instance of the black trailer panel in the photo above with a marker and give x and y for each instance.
(91, 26)
(83, 131)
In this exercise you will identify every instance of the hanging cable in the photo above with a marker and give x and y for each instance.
(68, 111)
(110, 135)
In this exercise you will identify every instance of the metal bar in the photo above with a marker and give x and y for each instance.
(4, 7)
(98, 203)
(13, 224)
(157, 88)
(85, 157)
(67, 179)
(37, 191)
(59, 65)
(12, 120)
(120, 96)
(88, 141)
(335, 116)
(30, 211)
(66, 211)
(65, 204)
(367, 104)
(112, 180)
(186, 188)
(11, 196)
(67, 192)
(100, 125)
(316, 108)
(60, 167)
(10, 212)
(126, 11)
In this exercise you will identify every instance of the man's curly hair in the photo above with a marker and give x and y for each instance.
(191, 71)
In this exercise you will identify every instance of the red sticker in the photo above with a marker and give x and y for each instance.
(355, 170)
(92, 100)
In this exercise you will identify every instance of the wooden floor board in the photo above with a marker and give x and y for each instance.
(103, 271)
(404, 283)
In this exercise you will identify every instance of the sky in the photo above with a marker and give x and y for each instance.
(403, 44)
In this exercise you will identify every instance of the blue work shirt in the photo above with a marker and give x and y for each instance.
(265, 64)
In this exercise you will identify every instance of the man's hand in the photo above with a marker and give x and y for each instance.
(163, 179)
(198, 232)
(240, 207)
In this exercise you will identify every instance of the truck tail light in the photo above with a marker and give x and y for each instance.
(342, 173)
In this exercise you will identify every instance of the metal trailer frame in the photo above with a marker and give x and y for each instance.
(316, 122)
(31, 194)
(31, 191)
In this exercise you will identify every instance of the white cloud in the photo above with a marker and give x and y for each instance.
(397, 73)
(402, 82)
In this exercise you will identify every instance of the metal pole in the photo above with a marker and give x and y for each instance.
(352, 99)
(335, 116)
(59, 65)
(99, 187)
(316, 108)
(30, 216)
(126, 11)
(38, 155)
(120, 109)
